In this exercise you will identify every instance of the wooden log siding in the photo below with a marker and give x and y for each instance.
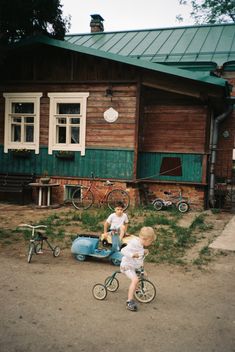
(119, 134)
(174, 128)
(99, 133)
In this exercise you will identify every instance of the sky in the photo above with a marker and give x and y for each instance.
(125, 14)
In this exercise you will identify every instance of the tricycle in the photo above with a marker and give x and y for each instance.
(88, 246)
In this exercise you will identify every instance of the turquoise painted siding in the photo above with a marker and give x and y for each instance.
(150, 163)
(103, 163)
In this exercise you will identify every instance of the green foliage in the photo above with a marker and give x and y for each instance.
(20, 19)
(199, 222)
(204, 257)
(170, 246)
(93, 221)
(211, 11)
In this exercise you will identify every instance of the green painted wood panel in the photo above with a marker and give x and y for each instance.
(103, 163)
(149, 165)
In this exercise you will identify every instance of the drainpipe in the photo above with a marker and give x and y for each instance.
(215, 134)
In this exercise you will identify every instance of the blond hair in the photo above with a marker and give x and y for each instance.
(147, 232)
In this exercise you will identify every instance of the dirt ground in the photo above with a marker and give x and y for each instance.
(47, 305)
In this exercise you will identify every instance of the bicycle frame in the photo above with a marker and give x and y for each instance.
(102, 197)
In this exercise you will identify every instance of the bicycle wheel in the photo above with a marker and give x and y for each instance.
(145, 291)
(183, 207)
(111, 283)
(82, 198)
(30, 252)
(99, 291)
(118, 195)
(158, 205)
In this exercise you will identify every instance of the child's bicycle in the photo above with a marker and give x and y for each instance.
(37, 240)
(171, 200)
(145, 291)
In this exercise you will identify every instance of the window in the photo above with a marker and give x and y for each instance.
(67, 124)
(22, 118)
(171, 166)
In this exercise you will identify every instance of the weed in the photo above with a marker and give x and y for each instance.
(4, 234)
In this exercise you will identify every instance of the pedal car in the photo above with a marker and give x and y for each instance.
(87, 245)
(108, 241)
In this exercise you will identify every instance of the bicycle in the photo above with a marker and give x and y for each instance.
(37, 240)
(84, 196)
(180, 202)
(144, 293)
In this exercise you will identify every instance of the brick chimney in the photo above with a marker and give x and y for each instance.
(96, 23)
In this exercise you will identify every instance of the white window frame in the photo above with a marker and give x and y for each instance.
(71, 97)
(22, 98)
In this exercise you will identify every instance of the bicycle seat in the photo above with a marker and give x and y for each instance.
(41, 235)
(108, 183)
(167, 193)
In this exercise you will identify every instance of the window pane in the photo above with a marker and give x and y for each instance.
(61, 121)
(60, 134)
(68, 108)
(75, 121)
(29, 119)
(29, 134)
(75, 135)
(16, 119)
(15, 133)
(23, 108)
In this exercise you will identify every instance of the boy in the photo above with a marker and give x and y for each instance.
(116, 221)
(133, 258)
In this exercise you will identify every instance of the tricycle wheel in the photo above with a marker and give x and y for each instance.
(111, 283)
(99, 291)
(183, 207)
(56, 251)
(30, 252)
(80, 257)
(116, 262)
(158, 205)
(145, 291)
(38, 248)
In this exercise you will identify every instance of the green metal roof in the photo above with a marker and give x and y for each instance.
(183, 46)
(196, 76)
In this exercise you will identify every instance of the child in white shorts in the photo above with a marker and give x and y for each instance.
(133, 258)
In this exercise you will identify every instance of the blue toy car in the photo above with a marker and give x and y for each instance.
(87, 245)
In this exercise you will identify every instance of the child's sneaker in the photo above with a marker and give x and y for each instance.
(131, 305)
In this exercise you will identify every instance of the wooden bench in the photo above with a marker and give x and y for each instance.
(16, 184)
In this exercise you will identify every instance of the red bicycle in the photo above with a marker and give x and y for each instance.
(84, 196)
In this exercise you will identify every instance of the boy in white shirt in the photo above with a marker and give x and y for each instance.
(116, 221)
(133, 258)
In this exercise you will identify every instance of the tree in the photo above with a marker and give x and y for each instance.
(20, 19)
(210, 11)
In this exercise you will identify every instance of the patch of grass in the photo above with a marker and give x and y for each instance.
(170, 246)
(4, 234)
(204, 257)
(199, 223)
(93, 221)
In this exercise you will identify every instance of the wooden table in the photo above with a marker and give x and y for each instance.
(44, 193)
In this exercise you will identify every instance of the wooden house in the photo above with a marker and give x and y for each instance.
(149, 109)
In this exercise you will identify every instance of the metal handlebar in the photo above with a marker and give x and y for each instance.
(32, 227)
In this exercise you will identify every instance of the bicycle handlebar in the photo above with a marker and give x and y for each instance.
(32, 227)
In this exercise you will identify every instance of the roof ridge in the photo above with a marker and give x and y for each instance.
(152, 29)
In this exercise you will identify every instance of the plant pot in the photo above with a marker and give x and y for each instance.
(20, 154)
(65, 156)
(45, 180)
